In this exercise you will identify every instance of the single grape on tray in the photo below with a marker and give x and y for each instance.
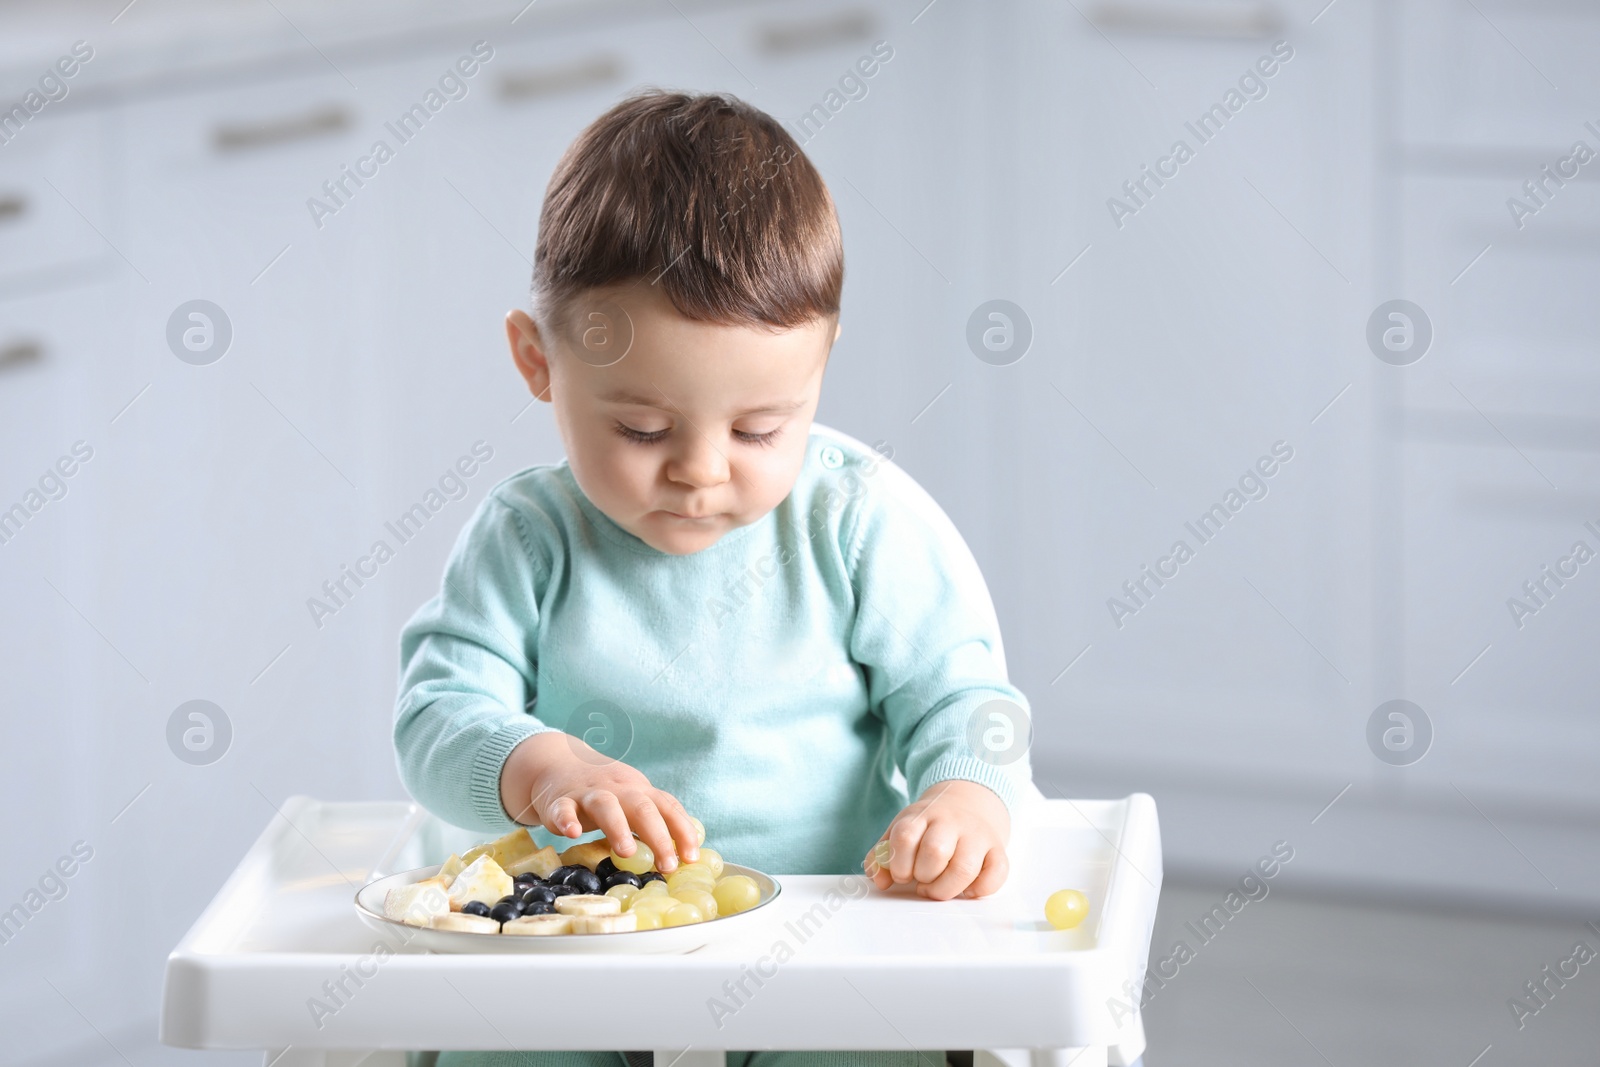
(509, 887)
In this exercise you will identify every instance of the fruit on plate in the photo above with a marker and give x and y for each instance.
(1066, 908)
(510, 848)
(639, 862)
(604, 924)
(588, 904)
(508, 886)
(736, 893)
(700, 898)
(418, 903)
(538, 925)
(683, 915)
(450, 868)
(589, 854)
(481, 880)
(461, 922)
(539, 863)
(622, 892)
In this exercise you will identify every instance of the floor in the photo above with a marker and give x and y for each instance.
(1304, 980)
(1293, 980)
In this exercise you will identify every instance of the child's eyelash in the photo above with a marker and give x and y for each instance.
(640, 436)
(765, 440)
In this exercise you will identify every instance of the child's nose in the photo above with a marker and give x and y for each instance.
(699, 463)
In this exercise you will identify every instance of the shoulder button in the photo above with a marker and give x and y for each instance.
(832, 458)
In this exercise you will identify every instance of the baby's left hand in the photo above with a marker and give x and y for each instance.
(951, 841)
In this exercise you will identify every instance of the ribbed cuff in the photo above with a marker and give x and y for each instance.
(490, 760)
(1003, 779)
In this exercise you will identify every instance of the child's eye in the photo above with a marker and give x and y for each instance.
(639, 436)
(763, 439)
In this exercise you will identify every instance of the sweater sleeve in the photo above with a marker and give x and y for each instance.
(927, 638)
(468, 661)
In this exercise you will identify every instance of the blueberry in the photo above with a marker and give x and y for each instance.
(560, 875)
(537, 894)
(504, 913)
(527, 878)
(605, 868)
(475, 907)
(622, 878)
(584, 881)
(652, 876)
(538, 907)
(509, 898)
(561, 891)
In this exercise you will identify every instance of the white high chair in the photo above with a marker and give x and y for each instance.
(882, 971)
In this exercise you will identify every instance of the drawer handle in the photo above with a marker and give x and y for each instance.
(234, 137)
(19, 354)
(789, 38)
(12, 207)
(1244, 21)
(554, 81)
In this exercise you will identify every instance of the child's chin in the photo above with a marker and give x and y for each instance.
(684, 541)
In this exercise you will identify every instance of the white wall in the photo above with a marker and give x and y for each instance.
(1222, 317)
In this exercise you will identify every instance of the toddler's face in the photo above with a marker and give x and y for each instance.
(697, 430)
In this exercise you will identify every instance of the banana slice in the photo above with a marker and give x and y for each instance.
(470, 924)
(538, 925)
(604, 924)
(588, 904)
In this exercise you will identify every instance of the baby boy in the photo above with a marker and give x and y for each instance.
(712, 606)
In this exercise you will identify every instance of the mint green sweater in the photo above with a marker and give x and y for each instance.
(788, 683)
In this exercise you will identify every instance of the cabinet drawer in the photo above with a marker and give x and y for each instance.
(55, 221)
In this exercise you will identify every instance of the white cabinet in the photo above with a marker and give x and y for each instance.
(1184, 329)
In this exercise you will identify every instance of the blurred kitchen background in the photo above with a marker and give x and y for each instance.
(1161, 349)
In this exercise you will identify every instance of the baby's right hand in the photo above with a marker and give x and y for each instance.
(555, 780)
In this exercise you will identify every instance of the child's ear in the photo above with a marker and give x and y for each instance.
(528, 353)
(838, 328)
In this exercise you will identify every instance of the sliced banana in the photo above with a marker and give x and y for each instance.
(538, 925)
(588, 904)
(605, 924)
(470, 924)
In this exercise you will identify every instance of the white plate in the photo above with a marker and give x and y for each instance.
(369, 907)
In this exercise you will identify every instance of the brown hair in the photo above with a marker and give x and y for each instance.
(702, 194)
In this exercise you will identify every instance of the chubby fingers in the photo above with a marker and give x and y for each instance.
(959, 871)
(905, 837)
(561, 818)
(996, 865)
(606, 814)
(682, 830)
(647, 822)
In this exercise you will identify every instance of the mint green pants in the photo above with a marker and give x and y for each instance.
(734, 1059)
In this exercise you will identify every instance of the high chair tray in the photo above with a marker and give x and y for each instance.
(280, 960)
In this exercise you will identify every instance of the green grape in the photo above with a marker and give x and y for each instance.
(641, 861)
(649, 919)
(660, 903)
(623, 892)
(1066, 909)
(654, 887)
(700, 831)
(690, 874)
(882, 853)
(736, 893)
(710, 857)
(700, 898)
(683, 915)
